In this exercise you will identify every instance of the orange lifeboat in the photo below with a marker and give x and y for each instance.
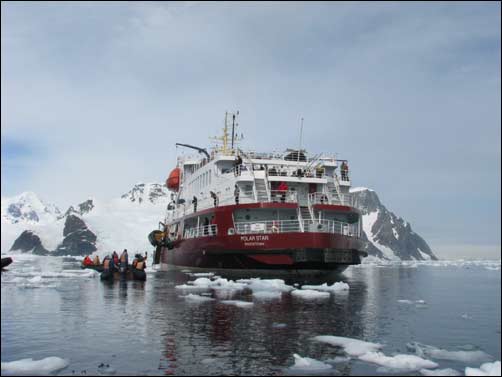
(173, 181)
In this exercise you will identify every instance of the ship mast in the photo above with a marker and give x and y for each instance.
(224, 147)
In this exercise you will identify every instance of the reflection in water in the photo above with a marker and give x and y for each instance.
(259, 340)
(147, 328)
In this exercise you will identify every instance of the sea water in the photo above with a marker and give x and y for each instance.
(385, 319)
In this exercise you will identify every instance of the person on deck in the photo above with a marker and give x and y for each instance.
(206, 226)
(238, 164)
(236, 194)
(96, 260)
(283, 188)
(213, 226)
(194, 202)
(344, 170)
(215, 198)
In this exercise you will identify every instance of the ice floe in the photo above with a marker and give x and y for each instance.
(202, 282)
(261, 288)
(308, 364)
(201, 274)
(339, 286)
(353, 347)
(425, 350)
(309, 294)
(239, 303)
(418, 303)
(276, 325)
(274, 285)
(267, 295)
(440, 372)
(34, 367)
(405, 301)
(403, 363)
(197, 298)
(486, 369)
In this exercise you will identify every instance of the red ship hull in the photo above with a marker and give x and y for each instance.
(290, 251)
(286, 251)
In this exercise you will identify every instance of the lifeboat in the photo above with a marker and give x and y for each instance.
(173, 181)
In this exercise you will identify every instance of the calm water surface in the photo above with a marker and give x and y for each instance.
(50, 308)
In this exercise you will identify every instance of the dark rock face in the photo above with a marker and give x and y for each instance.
(78, 239)
(83, 208)
(29, 241)
(370, 248)
(152, 192)
(390, 231)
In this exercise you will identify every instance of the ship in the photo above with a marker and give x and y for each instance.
(236, 210)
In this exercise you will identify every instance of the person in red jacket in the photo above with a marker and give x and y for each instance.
(283, 188)
(87, 261)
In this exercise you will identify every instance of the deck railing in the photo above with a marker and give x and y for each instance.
(201, 231)
(324, 198)
(291, 226)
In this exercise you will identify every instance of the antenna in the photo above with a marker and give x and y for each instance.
(301, 134)
(233, 130)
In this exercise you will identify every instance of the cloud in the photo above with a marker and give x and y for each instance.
(409, 93)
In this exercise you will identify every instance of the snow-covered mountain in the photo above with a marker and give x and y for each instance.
(93, 225)
(125, 222)
(152, 192)
(28, 208)
(389, 236)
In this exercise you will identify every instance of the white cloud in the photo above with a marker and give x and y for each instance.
(409, 93)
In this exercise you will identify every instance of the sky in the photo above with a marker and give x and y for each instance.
(94, 97)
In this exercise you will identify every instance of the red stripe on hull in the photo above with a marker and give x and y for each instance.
(265, 251)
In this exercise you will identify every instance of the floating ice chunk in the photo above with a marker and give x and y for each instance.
(353, 347)
(34, 367)
(403, 363)
(487, 369)
(310, 294)
(265, 295)
(440, 372)
(258, 284)
(202, 274)
(36, 279)
(241, 304)
(466, 316)
(339, 286)
(222, 283)
(191, 287)
(308, 364)
(202, 282)
(197, 298)
(405, 301)
(418, 303)
(276, 325)
(424, 350)
(493, 268)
